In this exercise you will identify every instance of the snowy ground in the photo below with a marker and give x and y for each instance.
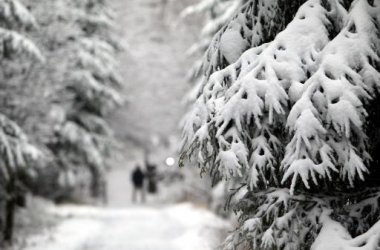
(179, 227)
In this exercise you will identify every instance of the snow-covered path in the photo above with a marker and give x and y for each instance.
(178, 227)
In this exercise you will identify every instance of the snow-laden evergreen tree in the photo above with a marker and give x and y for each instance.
(80, 40)
(252, 26)
(15, 18)
(237, 26)
(290, 123)
(217, 13)
(257, 22)
(94, 81)
(17, 153)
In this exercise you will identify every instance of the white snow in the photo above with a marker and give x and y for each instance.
(334, 236)
(232, 45)
(177, 227)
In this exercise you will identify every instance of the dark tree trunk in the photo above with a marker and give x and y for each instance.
(10, 211)
(372, 130)
(98, 185)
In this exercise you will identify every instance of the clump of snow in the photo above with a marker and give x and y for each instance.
(333, 236)
(232, 45)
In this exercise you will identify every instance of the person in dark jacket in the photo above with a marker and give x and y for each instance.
(138, 184)
(151, 177)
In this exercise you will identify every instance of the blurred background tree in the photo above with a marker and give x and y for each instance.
(18, 155)
(59, 82)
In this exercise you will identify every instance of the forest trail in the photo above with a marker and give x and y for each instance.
(154, 66)
(176, 227)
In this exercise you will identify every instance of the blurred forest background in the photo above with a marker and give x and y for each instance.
(87, 94)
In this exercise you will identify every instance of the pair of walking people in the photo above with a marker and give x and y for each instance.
(143, 180)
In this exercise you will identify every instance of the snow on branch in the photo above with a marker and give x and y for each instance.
(95, 94)
(97, 57)
(202, 6)
(14, 15)
(16, 44)
(256, 90)
(15, 149)
(334, 236)
(256, 22)
(93, 123)
(77, 138)
(286, 120)
(271, 217)
(327, 120)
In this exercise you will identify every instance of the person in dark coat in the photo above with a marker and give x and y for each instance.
(138, 184)
(151, 176)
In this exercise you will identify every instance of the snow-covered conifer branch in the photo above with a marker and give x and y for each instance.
(14, 43)
(327, 119)
(288, 118)
(15, 149)
(262, 82)
(14, 15)
(93, 93)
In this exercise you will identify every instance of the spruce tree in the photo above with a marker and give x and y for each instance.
(80, 41)
(288, 122)
(257, 22)
(60, 105)
(17, 153)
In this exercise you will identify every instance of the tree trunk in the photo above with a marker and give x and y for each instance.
(10, 211)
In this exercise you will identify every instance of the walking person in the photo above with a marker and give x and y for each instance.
(138, 185)
(151, 176)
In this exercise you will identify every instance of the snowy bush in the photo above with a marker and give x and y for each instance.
(287, 122)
